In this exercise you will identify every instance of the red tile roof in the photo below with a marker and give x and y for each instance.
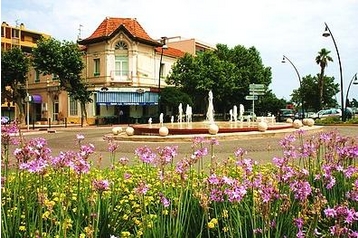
(111, 25)
(170, 52)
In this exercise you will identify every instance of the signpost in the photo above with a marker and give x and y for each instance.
(251, 97)
(254, 91)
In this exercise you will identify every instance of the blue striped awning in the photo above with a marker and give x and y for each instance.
(127, 98)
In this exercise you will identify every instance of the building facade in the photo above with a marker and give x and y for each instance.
(25, 39)
(125, 69)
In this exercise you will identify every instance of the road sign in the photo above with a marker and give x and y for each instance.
(257, 86)
(256, 93)
(257, 90)
(250, 97)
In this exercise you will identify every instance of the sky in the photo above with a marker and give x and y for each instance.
(274, 27)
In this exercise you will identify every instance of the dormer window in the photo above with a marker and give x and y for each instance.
(121, 46)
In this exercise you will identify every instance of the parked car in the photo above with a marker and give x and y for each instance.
(326, 113)
(285, 114)
(249, 115)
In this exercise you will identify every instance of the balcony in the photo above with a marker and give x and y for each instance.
(121, 76)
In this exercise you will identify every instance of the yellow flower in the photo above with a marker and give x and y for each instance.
(46, 214)
(211, 225)
(125, 234)
(82, 235)
(165, 212)
(125, 217)
(22, 228)
(225, 214)
(214, 221)
(67, 223)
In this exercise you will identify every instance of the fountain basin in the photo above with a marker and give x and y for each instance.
(202, 128)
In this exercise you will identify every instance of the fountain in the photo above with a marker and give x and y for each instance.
(210, 112)
(205, 127)
(235, 113)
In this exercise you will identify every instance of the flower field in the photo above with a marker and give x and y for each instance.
(309, 190)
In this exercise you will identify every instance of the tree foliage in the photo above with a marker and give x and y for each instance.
(64, 60)
(322, 60)
(310, 91)
(226, 72)
(15, 65)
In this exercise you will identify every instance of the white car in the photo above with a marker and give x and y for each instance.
(322, 114)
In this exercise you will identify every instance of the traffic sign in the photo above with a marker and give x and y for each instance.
(257, 86)
(251, 97)
(257, 90)
(257, 93)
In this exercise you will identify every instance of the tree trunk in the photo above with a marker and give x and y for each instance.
(320, 86)
(83, 115)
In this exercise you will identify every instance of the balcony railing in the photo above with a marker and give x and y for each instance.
(120, 75)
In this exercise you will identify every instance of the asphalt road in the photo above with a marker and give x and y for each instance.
(260, 149)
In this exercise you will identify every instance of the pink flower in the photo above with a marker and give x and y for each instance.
(164, 200)
(100, 185)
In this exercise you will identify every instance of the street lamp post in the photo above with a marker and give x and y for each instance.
(299, 79)
(327, 33)
(164, 46)
(354, 80)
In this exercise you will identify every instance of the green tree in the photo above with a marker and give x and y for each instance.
(15, 65)
(64, 60)
(322, 60)
(269, 103)
(309, 92)
(173, 96)
(227, 72)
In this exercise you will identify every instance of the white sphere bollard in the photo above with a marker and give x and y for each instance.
(163, 131)
(297, 124)
(213, 129)
(305, 121)
(262, 126)
(289, 120)
(310, 122)
(130, 131)
(116, 130)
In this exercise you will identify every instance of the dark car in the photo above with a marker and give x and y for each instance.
(285, 114)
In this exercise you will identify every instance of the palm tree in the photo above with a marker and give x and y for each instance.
(322, 60)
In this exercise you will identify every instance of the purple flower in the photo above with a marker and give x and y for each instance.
(214, 141)
(164, 200)
(301, 189)
(167, 154)
(145, 154)
(123, 160)
(112, 146)
(330, 212)
(142, 188)
(198, 140)
(35, 166)
(100, 185)
(240, 152)
(80, 137)
(236, 193)
(81, 166)
(200, 153)
(213, 179)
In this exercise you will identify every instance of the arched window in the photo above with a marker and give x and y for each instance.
(121, 45)
(121, 59)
